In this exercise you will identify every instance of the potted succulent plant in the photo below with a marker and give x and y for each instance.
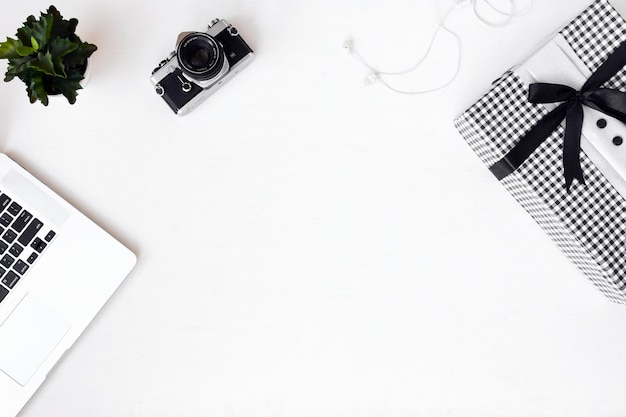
(47, 56)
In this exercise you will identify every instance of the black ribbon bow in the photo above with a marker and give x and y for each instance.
(608, 101)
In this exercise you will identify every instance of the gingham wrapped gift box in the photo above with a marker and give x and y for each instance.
(550, 130)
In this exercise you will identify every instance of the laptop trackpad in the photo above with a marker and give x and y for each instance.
(28, 336)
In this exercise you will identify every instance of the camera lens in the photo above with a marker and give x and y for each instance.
(200, 56)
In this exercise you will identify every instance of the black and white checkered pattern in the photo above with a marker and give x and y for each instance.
(595, 33)
(589, 222)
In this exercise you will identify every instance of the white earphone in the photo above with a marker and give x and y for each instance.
(379, 76)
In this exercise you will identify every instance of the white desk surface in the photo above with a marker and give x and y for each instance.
(309, 246)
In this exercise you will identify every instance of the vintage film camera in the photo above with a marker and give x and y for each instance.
(201, 63)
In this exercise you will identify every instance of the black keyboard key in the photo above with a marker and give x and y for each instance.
(22, 220)
(4, 201)
(29, 233)
(2, 271)
(20, 267)
(16, 250)
(10, 279)
(7, 261)
(9, 236)
(3, 247)
(38, 244)
(3, 293)
(14, 208)
(5, 219)
(51, 234)
(32, 258)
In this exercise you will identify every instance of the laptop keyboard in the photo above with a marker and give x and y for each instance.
(23, 238)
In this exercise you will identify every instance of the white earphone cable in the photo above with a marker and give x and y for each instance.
(510, 15)
(377, 75)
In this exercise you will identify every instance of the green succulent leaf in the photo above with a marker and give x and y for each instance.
(34, 44)
(61, 28)
(10, 74)
(36, 89)
(59, 48)
(24, 50)
(44, 63)
(78, 57)
(17, 67)
(69, 86)
(38, 29)
(8, 49)
(23, 33)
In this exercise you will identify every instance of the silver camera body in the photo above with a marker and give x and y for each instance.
(201, 63)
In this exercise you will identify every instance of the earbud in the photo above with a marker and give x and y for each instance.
(347, 46)
(370, 79)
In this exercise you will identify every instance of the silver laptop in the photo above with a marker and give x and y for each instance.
(57, 269)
